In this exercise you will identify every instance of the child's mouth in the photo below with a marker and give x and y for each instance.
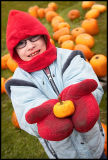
(35, 53)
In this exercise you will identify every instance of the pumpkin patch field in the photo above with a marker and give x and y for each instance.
(74, 25)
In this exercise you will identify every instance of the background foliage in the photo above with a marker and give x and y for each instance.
(15, 143)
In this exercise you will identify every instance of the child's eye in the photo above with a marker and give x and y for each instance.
(34, 38)
(21, 44)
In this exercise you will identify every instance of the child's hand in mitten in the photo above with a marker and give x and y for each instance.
(49, 127)
(86, 108)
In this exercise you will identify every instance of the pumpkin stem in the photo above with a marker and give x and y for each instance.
(59, 98)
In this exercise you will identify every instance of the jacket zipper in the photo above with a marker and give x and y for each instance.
(49, 76)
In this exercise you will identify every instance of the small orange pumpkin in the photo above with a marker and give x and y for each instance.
(87, 4)
(102, 8)
(92, 13)
(86, 39)
(99, 64)
(63, 24)
(53, 6)
(14, 120)
(105, 130)
(63, 109)
(3, 84)
(69, 44)
(55, 21)
(73, 14)
(61, 32)
(12, 65)
(50, 15)
(91, 26)
(86, 50)
(52, 41)
(33, 11)
(48, 9)
(64, 38)
(41, 12)
(76, 31)
(4, 61)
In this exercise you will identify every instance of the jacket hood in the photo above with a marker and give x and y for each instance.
(21, 25)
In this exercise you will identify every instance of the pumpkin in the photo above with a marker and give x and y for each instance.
(86, 50)
(92, 13)
(6, 82)
(63, 24)
(50, 15)
(86, 39)
(3, 84)
(53, 6)
(12, 65)
(99, 64)
(73, 14)
(102, 8)
(76, 31)
(64, 38)
(4, 61)
(91, 26)
(48, 9)
(87, 4)
(52, 41)
(14, 120)
(41, 13)
(33, 11)
(63, 109)
(55, 21)
(105, 131)
(61, 32)
(69, 44)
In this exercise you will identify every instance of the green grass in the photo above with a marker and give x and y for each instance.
(15, 143)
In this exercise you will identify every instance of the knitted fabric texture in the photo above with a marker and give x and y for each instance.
(20, 26)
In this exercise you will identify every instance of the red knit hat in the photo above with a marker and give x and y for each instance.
(21, 25)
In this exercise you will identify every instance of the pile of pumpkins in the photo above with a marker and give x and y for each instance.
(79, 38)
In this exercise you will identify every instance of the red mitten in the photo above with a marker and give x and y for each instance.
(49, 127)
(86, 107)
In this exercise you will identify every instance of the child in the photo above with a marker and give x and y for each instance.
(44, 73)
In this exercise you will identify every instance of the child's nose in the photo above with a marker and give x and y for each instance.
(29, 44)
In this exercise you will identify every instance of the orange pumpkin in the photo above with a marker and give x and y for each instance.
(63, 109)
(64, 38)
(86, 50)
(99, 64)
(76, 31)
(86, 39)
(33, 11)
(87, 4)
(4, 61)
(14, 120)
(92, 13)
(102, 8)
(63, 24)
(12, 65)
(53, 6)
(50, 15)
(91, 26)
(52, 41)
(48, 9)
(41, 13)
(73, 14)
(69, 44)
(55, 21)
(3, 84)
(61, 32)
(105, 130)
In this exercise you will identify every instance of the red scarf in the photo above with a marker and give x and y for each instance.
(20, 26)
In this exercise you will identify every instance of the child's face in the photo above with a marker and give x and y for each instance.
(29, 48)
